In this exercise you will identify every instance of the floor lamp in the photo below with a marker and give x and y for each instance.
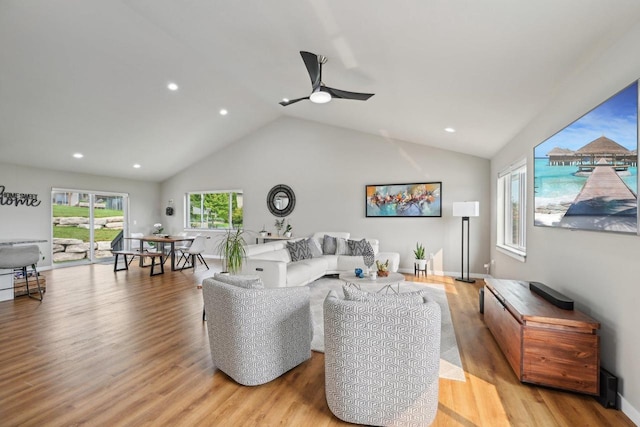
(465, 210)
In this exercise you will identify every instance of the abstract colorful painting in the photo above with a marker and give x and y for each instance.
(404, 200)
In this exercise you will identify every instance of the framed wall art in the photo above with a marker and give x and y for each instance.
(586, 175)
(404, 200)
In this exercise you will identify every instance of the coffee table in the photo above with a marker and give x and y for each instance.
(387, 282)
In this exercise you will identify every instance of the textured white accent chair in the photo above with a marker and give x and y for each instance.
(256, 334)
(382, 359)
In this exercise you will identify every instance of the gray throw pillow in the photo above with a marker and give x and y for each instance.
(241, 281)
(328, 245)
(299, 250)
(357, 247)
(314, 247)
(363, 248)
(408, 298)
(341, 246)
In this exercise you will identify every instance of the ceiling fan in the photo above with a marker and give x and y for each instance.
(320, 93)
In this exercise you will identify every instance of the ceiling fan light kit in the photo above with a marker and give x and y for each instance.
(320, 97)
(321, 94)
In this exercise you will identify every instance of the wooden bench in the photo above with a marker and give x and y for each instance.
(133, 254)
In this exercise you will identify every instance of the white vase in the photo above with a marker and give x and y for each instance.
(287, 234)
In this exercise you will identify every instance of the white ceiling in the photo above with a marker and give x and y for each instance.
(90, 76)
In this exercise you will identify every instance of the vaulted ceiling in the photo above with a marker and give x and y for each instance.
(90, 76)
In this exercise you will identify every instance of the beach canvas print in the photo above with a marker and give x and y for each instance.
(404, 200)
(586, 175)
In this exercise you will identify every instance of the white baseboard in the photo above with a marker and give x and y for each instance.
(629, 410)
(444, 273)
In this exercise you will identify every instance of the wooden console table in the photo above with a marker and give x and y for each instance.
(544, 344)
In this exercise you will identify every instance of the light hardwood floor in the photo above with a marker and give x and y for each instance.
(123, 348)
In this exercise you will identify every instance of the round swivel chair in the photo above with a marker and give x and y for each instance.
(19, 258)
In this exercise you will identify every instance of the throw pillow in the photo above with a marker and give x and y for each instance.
(241, 281)
(328, 245)
(341, 246)
(314, 247)
(363, 248)
(408, 298)
(298, 250)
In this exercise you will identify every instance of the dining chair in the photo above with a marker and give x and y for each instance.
(134, 242)
(194, 252)
(184, 246)
(19, 258)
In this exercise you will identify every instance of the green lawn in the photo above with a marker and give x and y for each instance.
(100, 235)
(62, 210)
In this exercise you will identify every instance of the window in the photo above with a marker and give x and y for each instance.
(214, 210)
(512, 224)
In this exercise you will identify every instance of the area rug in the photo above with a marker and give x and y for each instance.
(450, 363)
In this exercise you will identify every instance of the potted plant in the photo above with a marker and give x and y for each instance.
(263, 232)
(158, 228)
(231, 249)
(287, 230)
(279, 225)
(383, 269)
(420, 256)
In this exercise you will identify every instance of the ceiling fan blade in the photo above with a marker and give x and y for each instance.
(343, 94)
(292, 101)
(313, 67)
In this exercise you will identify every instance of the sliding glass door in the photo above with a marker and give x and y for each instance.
(86, 225)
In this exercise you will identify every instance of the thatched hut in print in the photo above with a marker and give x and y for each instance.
(605, 149)
(632, 158)
(562, 157)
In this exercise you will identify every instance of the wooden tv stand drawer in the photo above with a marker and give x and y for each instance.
(544, 344)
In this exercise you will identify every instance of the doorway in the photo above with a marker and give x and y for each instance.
(86, 225)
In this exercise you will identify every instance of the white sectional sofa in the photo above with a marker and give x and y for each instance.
(272, 262)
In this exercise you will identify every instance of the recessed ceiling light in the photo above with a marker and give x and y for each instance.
(223, 112)
(450, 130)
(137, 166)
(78, 155)
(285, 99)
(172, 86)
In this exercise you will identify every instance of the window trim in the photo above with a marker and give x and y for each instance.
(187, 204)
(504, 215)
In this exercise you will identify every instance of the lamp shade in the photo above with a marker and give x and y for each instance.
(466, 209)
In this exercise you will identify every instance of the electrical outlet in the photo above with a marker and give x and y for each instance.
(487, 265)
(493, 262)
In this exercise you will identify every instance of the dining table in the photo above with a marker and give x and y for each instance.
(161, 241)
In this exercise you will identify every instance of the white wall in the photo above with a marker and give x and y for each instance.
(35, 222)
(598, 270)
(328, 168)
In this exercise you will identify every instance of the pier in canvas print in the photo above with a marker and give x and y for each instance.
(586, 176)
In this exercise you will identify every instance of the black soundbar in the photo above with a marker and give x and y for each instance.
(554, 297)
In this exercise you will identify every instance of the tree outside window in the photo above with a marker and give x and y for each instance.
(214, 210)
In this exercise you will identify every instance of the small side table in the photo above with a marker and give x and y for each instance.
(417, 270)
